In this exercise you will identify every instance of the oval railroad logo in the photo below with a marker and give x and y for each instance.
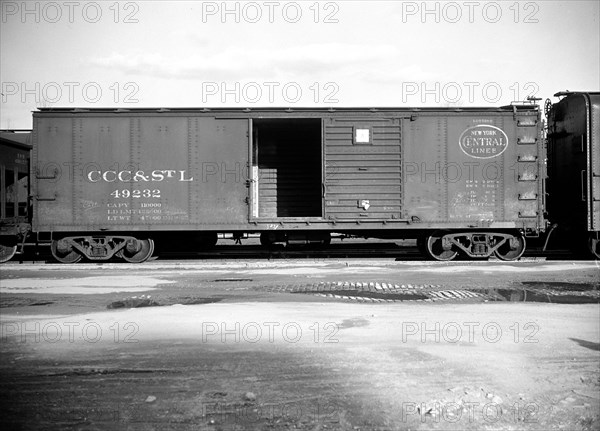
(483, 141)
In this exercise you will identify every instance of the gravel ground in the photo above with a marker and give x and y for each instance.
(304, 344)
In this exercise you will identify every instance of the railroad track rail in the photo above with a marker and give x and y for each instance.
(340, 252)
(333, 251)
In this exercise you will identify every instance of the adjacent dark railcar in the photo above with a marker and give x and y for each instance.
(15, 150)
(110, 182)
(574, 167)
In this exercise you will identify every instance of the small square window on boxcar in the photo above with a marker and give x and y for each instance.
(363, 135)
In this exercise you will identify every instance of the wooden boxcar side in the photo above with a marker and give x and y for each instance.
(293, 175)
(139, 172)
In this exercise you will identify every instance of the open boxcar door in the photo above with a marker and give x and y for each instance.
(286, 169)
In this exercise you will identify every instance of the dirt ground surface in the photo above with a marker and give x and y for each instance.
(344, 344)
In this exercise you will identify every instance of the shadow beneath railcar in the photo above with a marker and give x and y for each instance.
(279, 251)
(400, 251)
(559, 248)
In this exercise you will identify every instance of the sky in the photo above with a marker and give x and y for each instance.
(135, 54)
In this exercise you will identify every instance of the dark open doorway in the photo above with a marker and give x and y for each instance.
(287, 161)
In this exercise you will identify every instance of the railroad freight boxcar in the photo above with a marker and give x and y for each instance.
(109, 182)
(574, 167)
(15, 148)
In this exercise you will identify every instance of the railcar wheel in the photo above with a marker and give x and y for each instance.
(511, 249)
(440, 248)
(64, 252)
(7, 252)
(137, 250)
(594, 245)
